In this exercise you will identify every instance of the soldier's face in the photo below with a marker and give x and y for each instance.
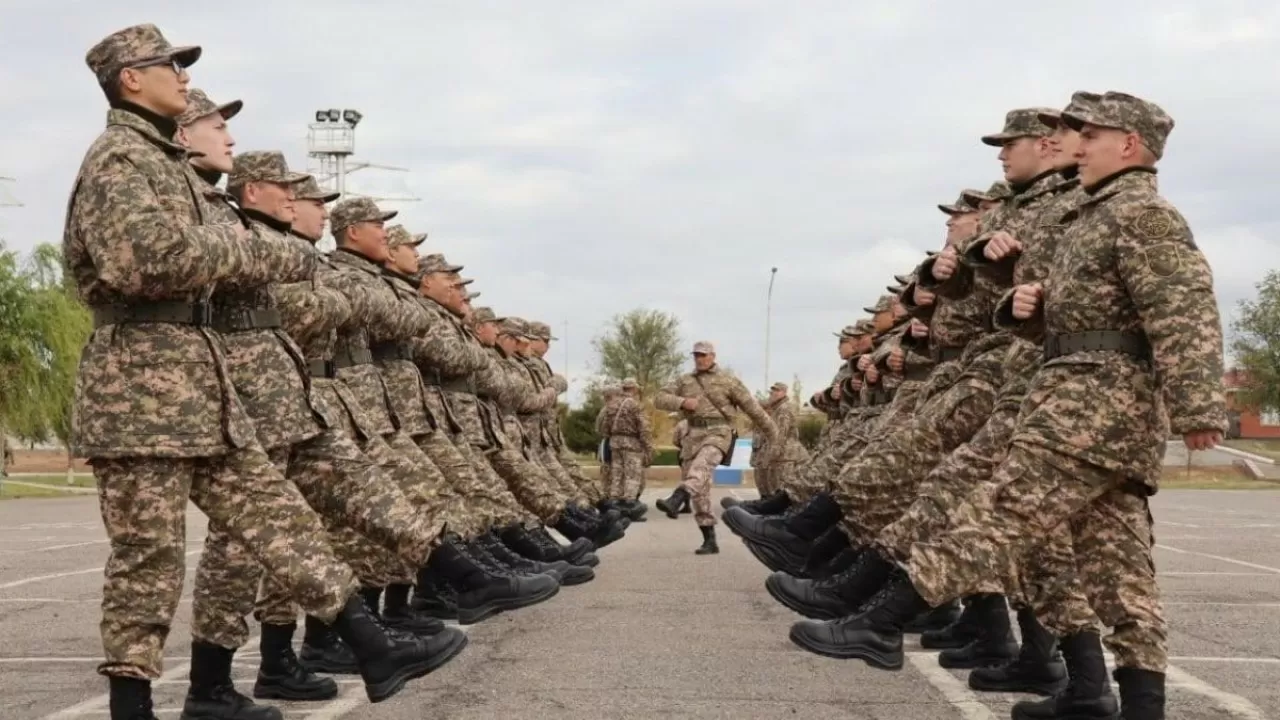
(487, 332)
(539, 347)
(309, 217)
(1105, 151)
(522, 347)
(846, 348)
(404, 259)
(704, 361)
(211, 137)
(161, 87)
(1064, 142)
(776, 395)
(882, 321)
(1020, 158)
(987, 205)
(369, 238)
(435, 286)
(508, 344)
(961, 227)
(274, 199)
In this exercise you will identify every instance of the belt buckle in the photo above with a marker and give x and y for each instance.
(201, 314)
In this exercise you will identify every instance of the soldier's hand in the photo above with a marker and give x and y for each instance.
(897, 360)
(923, 298)
(1002, 245)
(690, 404)
(856, 382)
(1202, 439)
(1026, 300)
(864, 362)
(835, 392)
(919, 329)
(944, 266)
(873, 375)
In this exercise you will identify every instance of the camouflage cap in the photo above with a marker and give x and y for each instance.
(435, 263)
(357, 210)
(847, 332)
(483, 315)
(134, 47)
(262, 166)
(973, 197)
(905, 279)
(1023, 122)
(199, 105)
(1122, 111)
(398, 235)
(704, 347)
(610, 390)
(542, 331)
(780, 386)
(960, 206)
(864, 327)
(1080, 100)
(309, 189)
(463, 282)
(513, 326)
(471, 296)
(895, 289)
(1000, 190)
(883, 304)
(630, 384)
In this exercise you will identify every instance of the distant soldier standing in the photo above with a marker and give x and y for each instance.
(604, 420)
(631, 441)
(707, 397)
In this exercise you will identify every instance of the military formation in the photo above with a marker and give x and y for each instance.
(374, 453)
(998, 424)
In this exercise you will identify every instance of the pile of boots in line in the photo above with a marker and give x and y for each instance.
(820, 576)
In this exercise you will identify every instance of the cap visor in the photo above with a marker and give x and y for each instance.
(231, 109)
(1076, 121)
(294, 178)
(326, 197)
(1049, 120)
(871, 310)
(187, 55)
(975, 199)
(453, 269)
(388, 215)
(418, 240)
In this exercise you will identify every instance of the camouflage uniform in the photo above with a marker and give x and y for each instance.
(631, 443)
(710, 431)
(1088, 446)
(154, 409)
(558, 454)
(541, 427)
(779, 465)
(604, 420)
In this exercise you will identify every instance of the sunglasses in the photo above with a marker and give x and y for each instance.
(700, 354)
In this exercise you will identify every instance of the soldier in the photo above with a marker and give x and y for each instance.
(604, 420)
(776, 466)
(707, 397)
(631, 441)
(153, 409)
(984, 201)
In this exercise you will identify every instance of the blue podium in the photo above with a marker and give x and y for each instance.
(735, 472)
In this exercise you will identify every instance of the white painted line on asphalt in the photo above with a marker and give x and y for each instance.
(956, 692)
(1219, 558)
(1230, 703)
(96, 705)
(1240, 660)
(64, 546)
(1175, 524)
(70, 573)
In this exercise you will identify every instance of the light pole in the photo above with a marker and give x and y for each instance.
(768, 322)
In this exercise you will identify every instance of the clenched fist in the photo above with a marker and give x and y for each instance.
(864, 362)
(1202, 439)
(923, 298)
(873, 375)
(1026, 300)
(897, 360)
(944, 266)
(919, 330)
(1002, 245)
(856, 382)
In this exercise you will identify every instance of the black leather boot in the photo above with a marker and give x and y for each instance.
(874, 635)
(956, 635)
(477, 550)
(535, 547)
(212, 696)
(938, 618)
(994, 645)
(1038, 669)
(1141, 694)
(578, 552)
(709, 546)
(633, 509)
(565, 573)
(836, 597)
(130, 698)
(672, 505)
(281, 676)
(482, 592)
(1087, 695)
(389, 658)
(324, 652)
(783, 543)
(823, 553)
(399, 614)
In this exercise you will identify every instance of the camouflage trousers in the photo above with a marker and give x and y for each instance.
(594, 488)
(143, 503)
(530, 483)
(545, 456)
(775, 476)
(699, 474)
(1036, 491)
(823, 466)
(502, 505)
(626, 474)
(882, 482)
(463, 514)
(606, 476)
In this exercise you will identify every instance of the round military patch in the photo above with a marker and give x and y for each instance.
(1154, 223)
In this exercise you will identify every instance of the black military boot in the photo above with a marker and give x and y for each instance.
(938, 618)
(482, 592)
(836, 597)
(212, 696)
(534, 547)
(1087, 695)
(686, 506)
(765, 505)
(372, 597)
(874, 635)
(281, 676)
(1038, 669)
(478, 552)
(823, 553)
(601, 530)
(1141, 694)
(673, 504)
(324, 652)
(841, 562)
(579, 552)
(783, 543)
(434, 597)
(389, 658)
(709, 546)
(634, 509)
(995, 644)
(130, 698)
(956, 635)
(564, 573)
(399, 614)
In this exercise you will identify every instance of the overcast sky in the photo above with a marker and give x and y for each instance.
(586, 158)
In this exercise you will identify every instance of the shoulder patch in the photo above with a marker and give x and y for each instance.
(1154, 223)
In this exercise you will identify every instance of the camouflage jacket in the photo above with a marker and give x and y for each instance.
(268, 369)
(630, 428)
(139, 230)
(604, 418)
(543, 427)
(408, 395)
(506, 386)
(783, 413)
(376, 312)
(1126, 262)
(449, 355)
(709, 426)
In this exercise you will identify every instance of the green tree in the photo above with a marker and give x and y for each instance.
(641, 344)
(1255, 345)
(579, 425)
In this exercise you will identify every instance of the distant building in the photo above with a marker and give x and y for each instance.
(1247, 423)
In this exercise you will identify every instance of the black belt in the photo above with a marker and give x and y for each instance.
(1129, 343)
(949, 354)
(388, 351)
(173, 313)
(232, 320)
(345, 358)
(322, 368)
(707, 422)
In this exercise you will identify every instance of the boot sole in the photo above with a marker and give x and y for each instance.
(771, 561)
(892, 661)
(1044, 689)
(326, 668)
(922, 628)
(493, 607)
(590, 562)
(944, 644)
(795, 606)
(276, 692)
(1020, 715)
(380, 691)
(570, 581)
(983, 661)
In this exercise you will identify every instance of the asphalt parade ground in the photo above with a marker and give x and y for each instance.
(659, 633)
